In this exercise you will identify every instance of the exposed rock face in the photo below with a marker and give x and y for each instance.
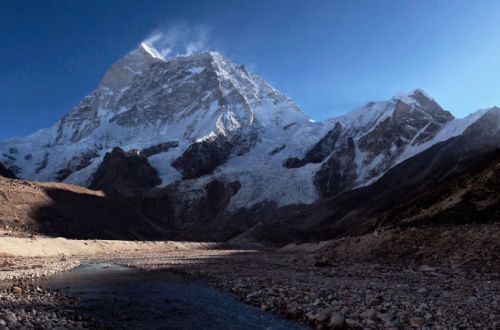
(320, 151)
(407, 126)
(159, 148)
(85, 118)
(277, 150)
(338, 173)
(187, 212)
(77, 163)
(203, 157)
(123, 174)
(6, 173)
(43, 163)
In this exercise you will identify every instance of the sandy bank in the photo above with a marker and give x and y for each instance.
(47, 247)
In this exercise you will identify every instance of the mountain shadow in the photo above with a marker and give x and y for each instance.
(6, 172)
(57, 209)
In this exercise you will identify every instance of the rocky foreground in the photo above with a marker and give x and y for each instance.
(322, 285)
(31, 307)
(24, 305)
(346, 295)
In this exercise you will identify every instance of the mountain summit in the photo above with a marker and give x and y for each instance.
(121, 73)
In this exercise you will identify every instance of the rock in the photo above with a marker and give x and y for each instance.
(10, 317)
(323, 262)
(17, 290)
(6, 172)
(321, 317)
(124, 174)
(203, 157)
(426, 268)
(159, 148)
(416, 322)
(368, 314)
(353, 324)
(338, 172)
(319, 152)
(386, 319)
(336, 321)
(77, 163)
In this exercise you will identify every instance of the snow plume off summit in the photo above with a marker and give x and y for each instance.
(181, 39)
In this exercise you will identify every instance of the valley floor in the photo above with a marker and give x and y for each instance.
(307, 283)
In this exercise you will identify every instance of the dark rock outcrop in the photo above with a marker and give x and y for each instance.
(189, 214)
(6, 172)
(203, 157)
(159, 148)
(77, 163)
(123, 174)
(338, 173)
(320, 151)
(294, 162)
(43, 164)
(277, 150)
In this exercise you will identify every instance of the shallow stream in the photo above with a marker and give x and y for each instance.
(128, 298)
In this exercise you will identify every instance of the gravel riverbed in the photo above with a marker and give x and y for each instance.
(301, 286)
(24, 305)
(346, 295)
(30, 307)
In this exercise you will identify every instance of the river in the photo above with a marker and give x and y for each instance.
(128, 298)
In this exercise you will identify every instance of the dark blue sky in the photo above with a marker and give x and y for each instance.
(329, 56)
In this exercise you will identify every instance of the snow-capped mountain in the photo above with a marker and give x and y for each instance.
(145, 101)
(201, 117)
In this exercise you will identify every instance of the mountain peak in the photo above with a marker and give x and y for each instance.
(412, 97)
(135, 62)
(149, 50)
(373, 113)
(206, 56)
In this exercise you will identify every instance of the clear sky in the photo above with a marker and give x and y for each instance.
(329, 56)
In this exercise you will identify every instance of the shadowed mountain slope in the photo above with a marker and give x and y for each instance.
(58, 209)
(6, 173)
(398, 197)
